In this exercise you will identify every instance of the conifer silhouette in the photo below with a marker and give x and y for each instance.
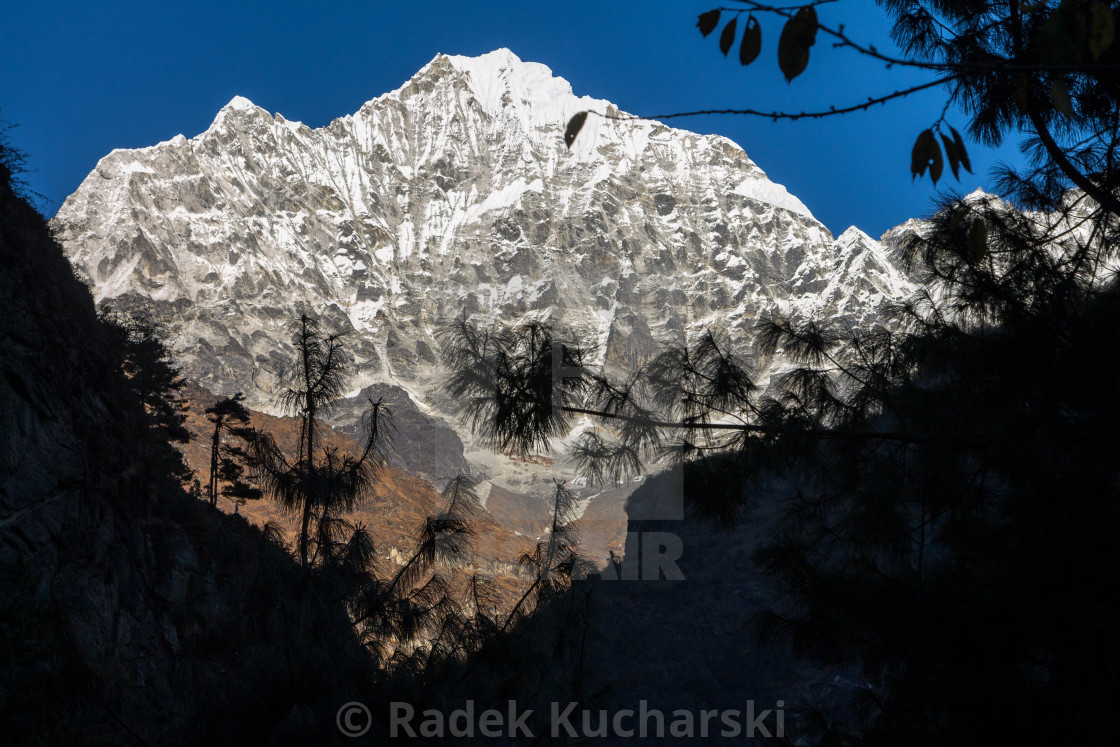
(320, 483)
(228, 461)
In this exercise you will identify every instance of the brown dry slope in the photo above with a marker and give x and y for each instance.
(393, 514)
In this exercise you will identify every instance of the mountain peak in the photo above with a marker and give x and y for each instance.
(238, 106)
(852, 235)
(501, 58)
(240, 102)
(453, 193)
(500, 79)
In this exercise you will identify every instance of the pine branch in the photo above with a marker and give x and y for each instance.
(827, 433)
(778, 115)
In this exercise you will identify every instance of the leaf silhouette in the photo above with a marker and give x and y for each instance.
(727, 38)
(799, 33)
(1059, 96)
(922, 155)
(575, 124)
(1102, 28)
(708, 22)
(951, 154)
(752, 42)
(936, 164)
(962, 153)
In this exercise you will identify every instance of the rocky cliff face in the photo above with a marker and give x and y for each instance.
(452, 194)
(129, 612)
(455, 194)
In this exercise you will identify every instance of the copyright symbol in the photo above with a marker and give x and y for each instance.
(353, 719)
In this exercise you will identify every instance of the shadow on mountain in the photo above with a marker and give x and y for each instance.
(130, 612)
(423, 444)
(686, 643)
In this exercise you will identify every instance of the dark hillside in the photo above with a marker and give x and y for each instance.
(688, 644)
(129, 612)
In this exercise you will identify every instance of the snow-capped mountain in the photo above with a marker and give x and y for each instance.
(453, 193)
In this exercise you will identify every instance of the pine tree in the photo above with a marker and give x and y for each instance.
(152, 375)
(951, 530)
(320, 483)
(228, 461)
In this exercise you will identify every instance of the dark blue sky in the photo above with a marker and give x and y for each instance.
(80, 78)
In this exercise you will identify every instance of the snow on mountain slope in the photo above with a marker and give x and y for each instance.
(451, 194)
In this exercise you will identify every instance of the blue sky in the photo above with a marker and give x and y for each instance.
(82, 78)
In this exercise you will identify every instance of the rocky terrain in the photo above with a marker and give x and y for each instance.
(131, 613)
(454, 194)
(395, 511)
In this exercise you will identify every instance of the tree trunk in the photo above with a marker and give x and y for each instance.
(212, 488)
(309, 455)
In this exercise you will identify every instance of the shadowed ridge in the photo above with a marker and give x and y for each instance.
(130, 613)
